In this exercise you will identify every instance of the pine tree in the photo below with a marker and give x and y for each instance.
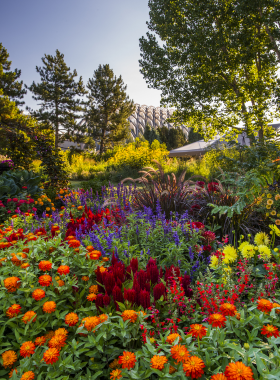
(58, 93)
(151, 134)
(108, 108)
(173, 137)
(8, 79)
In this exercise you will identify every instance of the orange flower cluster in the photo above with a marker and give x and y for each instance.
(198, 331)
(238, 371)
(63, 269)
(217, 320)
(74, 243)
(127, 360)
(38, 294)
(12, 284)
(270, 330)
(193, 367)
(93, 289)
(276, 305)
(57, 341)
(91, 297)
(27, 349)
(45, 280)
(91, 323)
(218, 376)
(71, 319)
(158, 362)
(9, 358)
(29, 375)
(45, 265)
(172, 337)
(129, 315)
(51, 356)
(15, 258)
(179, 353)
(265, 306)
(28, 316)
(227, 309)
(49, 307)
(13, 310)
(40, 341)
(94, 255)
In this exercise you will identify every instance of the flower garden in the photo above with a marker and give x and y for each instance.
(97, 287)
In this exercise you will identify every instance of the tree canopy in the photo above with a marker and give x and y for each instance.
(108, 108)
(57, 93)
(216, 62)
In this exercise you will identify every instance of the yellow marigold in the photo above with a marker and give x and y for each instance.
(9, 358)
(264, 252)
(49, 307)
(172, 337)
(91, 323)
(158, 362)
(248, 251)
(230, 254)
(130, 315)
(214, 261)
(93, 289)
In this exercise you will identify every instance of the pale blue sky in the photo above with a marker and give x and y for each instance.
(87, 32)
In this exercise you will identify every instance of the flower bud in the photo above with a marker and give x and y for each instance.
(246, 346)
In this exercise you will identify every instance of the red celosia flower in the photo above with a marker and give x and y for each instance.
(45, 265)
(45, 280)
(27, 349)
(270, 330)
(13, 310)
(265, 305)
(197, 330)
(127, 360)
(63, 269)
(71, 319)
(238, 371)
(228, 309)
(28, 316)
(51, 355)
(193, 367)
(217, 320)
(38, 294)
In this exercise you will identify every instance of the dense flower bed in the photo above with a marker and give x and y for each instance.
(97, 291)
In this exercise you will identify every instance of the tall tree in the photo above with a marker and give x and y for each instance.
(151, 134)
(173, 137)
(108, 108)
(58, 93)
(8, 79)
(217, 64)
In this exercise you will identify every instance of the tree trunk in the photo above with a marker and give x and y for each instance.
(261, 137)
(56, 126)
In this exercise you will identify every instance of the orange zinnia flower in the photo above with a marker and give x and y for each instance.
(265, 306)
(40, 341)
(91, 323)
(93, 289)
(193, 367)
(228, 309)
(217, 320)
(61, 331)
(49, 335)
(238, 371)
(24, 265)
(74, 243)
(94, 255)
(49, 307)
(45, 265)
(179, 353)
(158, 362)
(45, 280)
(57, 341)
(85, 278)
(28, 316)
(197, 330)
(51, 355)
(172, 370)
(38, 294)
(12, 372)
(219, 376)
(63, 269)
(270, 330)
(127, 360)
(27, 349)
(171, 337)
(91, 297)
(276, 305)
(103, 318)
(116, 374)
(29, 375)
(13, 310)
(129, 315)
(12, 284)
(9, 358)
(71, 319)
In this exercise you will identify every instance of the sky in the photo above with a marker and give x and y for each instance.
(87, 32)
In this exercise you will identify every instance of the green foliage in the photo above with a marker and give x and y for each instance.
(57, 93)
(194, 136)
(216, 63)
(108, 108)
(152, 134)
(20, 182)
(173, 137)
(95, 184)
(8, 79)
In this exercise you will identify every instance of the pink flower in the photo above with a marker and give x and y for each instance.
(9, 211)
(9, 200)
(15, 199)
(34, 209)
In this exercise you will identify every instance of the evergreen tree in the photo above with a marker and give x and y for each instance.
(173, 137)
(8, 79)
(151, 134)
(108, 108)
(194, 136)
(58, 93)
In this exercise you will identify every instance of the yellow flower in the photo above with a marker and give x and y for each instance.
(268, 207)
(47, 208)
(230, 254)
(214, 262)
(278, 215)
(273, 212)
(274, 229)
(265, 252)
(277, 197)
(248, 251)
(53, 208)
(242, 245)
(261, 238)
(269, 202)
(41, 203)
(269, 196)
